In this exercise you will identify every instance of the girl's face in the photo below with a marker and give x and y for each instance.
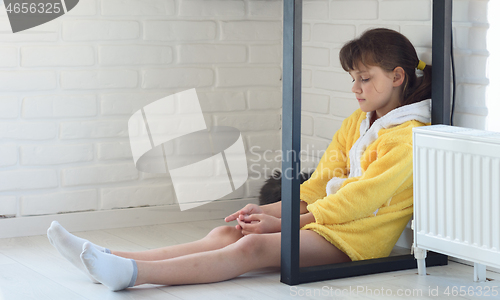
(376, 89)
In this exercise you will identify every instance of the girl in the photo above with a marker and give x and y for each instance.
(354, 207)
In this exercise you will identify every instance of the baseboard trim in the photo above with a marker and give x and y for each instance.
(118, 218)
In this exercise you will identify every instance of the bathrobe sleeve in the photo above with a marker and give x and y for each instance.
(361, 196)
(333, 163)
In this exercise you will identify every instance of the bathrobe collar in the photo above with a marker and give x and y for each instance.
(420, 111)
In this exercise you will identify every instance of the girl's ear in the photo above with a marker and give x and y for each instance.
(398, 76)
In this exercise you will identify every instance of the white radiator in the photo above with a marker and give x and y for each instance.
(456, 179)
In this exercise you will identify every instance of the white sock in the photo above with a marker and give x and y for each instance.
(117, 273)
(70, 246)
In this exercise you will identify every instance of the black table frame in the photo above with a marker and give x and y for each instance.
(291, 273)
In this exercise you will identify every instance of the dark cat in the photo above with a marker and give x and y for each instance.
(271, 190)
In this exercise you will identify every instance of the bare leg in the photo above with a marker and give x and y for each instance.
(248, 253)
(218, 238)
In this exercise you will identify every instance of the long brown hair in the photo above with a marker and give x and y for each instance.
(389, 49)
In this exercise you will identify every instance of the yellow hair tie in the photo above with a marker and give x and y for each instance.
(421, 65)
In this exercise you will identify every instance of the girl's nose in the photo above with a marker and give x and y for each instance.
(356, 88)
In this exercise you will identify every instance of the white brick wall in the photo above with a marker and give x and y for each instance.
(70, 85)
(126, 104)
(212, 8)
(222, 101)
(264, 99)
(250, 122)
(100, 30)
(179, 30)
(8, 206)
(248, 76)
(272, 9)
(57, 56)
(8, 155)
(251, 31)
(99, 79)
(137, 196)
(209, 54)
(55, 154)
(9, 107)
(120, 55)
(266, 54)
(20, 130)
(470, 26)
(316, 56)
(98, 173)
(405, 10)
(307, 125)
(26, 179)
(37, 107)
(8, 57)
(14, 81)
(315, 103)
(138, 8)
(333, 33)
(85, 8)
(53, 203)
(177, 78)
(354, 10)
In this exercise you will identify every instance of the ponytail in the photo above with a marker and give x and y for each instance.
(422, 90)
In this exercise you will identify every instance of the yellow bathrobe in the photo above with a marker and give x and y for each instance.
(361, 193)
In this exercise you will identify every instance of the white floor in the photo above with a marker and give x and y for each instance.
(30, 268)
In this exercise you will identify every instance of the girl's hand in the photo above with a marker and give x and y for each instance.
(258, 224)
(249, 209)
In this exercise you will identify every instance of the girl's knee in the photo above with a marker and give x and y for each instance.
(259, 250)
(251, 245)
(225, 233)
